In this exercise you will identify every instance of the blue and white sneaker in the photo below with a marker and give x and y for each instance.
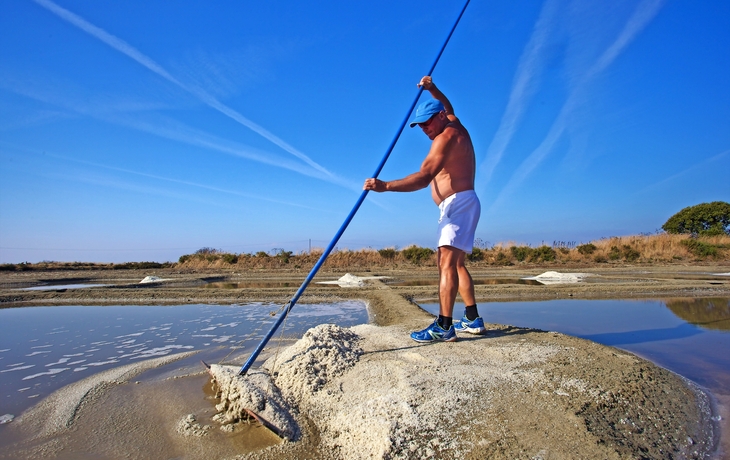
(473, 327)
(435, 333)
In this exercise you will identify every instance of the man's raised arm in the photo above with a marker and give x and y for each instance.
(436, 93)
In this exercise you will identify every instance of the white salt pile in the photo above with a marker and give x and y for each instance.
(151, 279)
(303, 369)
(253, 392)
(553, 277)
(348, 280)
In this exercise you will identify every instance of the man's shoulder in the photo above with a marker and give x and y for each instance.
(454, 130)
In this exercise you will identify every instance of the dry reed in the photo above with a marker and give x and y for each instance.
(635, 249)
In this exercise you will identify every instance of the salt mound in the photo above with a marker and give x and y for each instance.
(400, 401)
(256, 392)
(558, 278)
(324, 352)
(151, 279)
(348, 280)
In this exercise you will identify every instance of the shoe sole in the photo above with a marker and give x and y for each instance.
(473, 330)
(453, 339)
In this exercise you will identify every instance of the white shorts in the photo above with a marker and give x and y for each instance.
(458, 221)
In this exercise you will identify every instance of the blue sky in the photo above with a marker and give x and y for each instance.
(135, 131)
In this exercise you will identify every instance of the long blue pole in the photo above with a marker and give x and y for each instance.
(354, 210)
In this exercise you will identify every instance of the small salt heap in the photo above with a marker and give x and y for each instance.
(558, 278)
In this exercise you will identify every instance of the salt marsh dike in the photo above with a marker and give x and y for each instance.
(370, 392)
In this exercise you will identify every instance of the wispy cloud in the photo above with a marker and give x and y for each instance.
(642, 15)
(128, 50)
(95, 178)
(523, 87)
(701, 165)
(190, 184)
(143, 116)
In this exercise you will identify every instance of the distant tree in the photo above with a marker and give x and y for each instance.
(207, 250)
(705, 219)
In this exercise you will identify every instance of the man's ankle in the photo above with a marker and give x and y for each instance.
(445, 322)
(471, 312)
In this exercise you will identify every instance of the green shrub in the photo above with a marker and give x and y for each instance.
(520, 252)
(229, 258)
(139, 266)
(262, 254)
(387, 253)
(502, 259)
(587, 249)
(630, 254)
(417, 254)
(699, 248)
(476, 255)
(283, 255)
(543, 254)
(614, 253)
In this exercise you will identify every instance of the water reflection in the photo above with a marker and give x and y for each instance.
(644, 335)
(710, 313)
(252, 284)
(61, 287)
(488, 281)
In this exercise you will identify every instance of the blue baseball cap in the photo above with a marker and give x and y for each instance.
(426, 110)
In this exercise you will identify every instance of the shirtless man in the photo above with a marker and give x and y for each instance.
(449, 168)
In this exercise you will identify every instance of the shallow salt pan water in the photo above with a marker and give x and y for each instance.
(61, 287)
(45, 348)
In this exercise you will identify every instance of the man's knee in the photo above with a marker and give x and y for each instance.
(450, 256)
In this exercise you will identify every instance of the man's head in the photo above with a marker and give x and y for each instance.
(426, 110)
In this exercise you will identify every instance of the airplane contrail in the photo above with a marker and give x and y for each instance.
(694, 167)
(523, 86)
(643, 14)
(127, 49)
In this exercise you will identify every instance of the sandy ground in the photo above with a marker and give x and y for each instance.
(369, 391)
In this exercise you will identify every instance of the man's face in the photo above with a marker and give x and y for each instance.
(433, 126)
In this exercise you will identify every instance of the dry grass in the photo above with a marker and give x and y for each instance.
(634, 250)
(661, 248)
